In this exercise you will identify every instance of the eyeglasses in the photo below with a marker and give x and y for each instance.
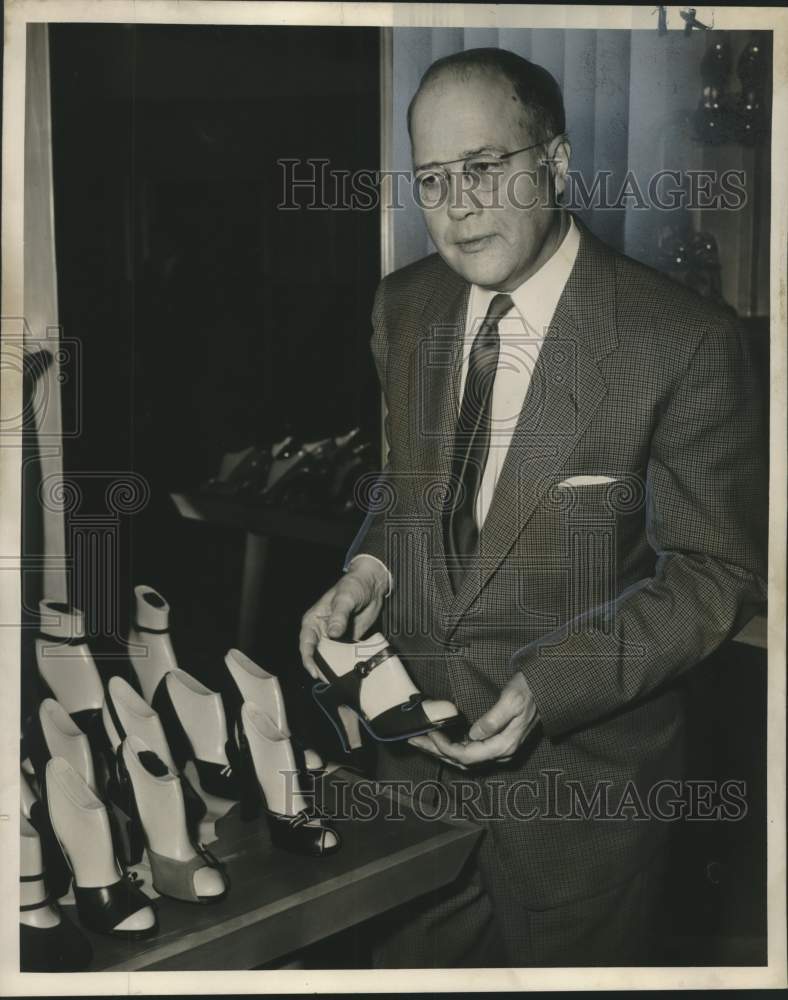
(483, 171)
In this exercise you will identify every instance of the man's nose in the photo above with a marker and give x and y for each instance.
(462, 199)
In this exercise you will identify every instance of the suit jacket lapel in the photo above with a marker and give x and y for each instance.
(565, 391)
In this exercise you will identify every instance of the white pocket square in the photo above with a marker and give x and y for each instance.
(587, 481)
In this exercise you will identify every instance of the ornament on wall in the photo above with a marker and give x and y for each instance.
(725, 117)
(713, 117)
(752, 120)
(693, 258)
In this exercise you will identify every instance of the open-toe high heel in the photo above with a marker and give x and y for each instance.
(108, 900)
(368, 677)
(125, 714)
(149, 644)
(48, 942)
(294, 826)
(196, 727)
(181, 868)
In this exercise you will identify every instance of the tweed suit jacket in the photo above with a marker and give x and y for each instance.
(624, 543)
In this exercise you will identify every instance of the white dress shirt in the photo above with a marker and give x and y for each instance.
(522, 331)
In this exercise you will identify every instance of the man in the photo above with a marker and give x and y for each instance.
(575, 497)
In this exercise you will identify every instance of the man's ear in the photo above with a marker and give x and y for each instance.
(559, 153)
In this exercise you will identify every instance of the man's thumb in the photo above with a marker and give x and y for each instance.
(341, 609)
(489, 724)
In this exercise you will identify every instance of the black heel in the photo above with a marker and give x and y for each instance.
(177, 740)
(251, 796)
(124, 817)
(291, 833)
(328, 698)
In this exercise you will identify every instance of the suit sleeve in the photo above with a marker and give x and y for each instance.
(705, 518)
(371, 537)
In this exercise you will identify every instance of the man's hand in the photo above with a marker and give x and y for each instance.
(495, 736)
(357, 598)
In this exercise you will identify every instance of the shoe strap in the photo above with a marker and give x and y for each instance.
(150, 631)
(46, 901)
(56, 640)
(299, 819)
(365, 667)
(305, 816)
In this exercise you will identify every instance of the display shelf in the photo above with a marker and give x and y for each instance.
(337, 530)
(280, 902)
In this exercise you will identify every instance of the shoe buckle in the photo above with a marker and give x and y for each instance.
(365, 667)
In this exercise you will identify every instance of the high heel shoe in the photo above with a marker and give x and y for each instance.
(378, 689)
(149, 645)
(48, 942)
(108, 900)
(252, 683)
(293, 826)
(181, 869)
(58, 876)
(125, 714)
(67, 668)
(194, 721)
(52, 732)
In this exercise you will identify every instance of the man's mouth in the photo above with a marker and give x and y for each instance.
(475, 244)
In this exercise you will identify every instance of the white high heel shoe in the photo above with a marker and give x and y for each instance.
(125, 714)
(107, 900)
(293, 825)
(47, 941)
(180, 868)
(149, 645)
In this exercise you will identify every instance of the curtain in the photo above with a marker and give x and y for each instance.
(630, 97)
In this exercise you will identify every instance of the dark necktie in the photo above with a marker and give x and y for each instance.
(472, 443)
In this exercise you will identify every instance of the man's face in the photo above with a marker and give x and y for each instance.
(493, 240)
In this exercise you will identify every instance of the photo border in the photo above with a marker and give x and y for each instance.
(18, 13)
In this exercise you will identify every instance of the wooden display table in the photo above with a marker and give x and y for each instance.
(280, 902)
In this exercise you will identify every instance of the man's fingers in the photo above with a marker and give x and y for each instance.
(428, 746)
(347, 600)
(496, 719)
(308, 639)
(501, 746)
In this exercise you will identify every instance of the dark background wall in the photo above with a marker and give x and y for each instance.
(208, 319)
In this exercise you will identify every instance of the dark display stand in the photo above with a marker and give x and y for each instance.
(260, 524)
(280, 902)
